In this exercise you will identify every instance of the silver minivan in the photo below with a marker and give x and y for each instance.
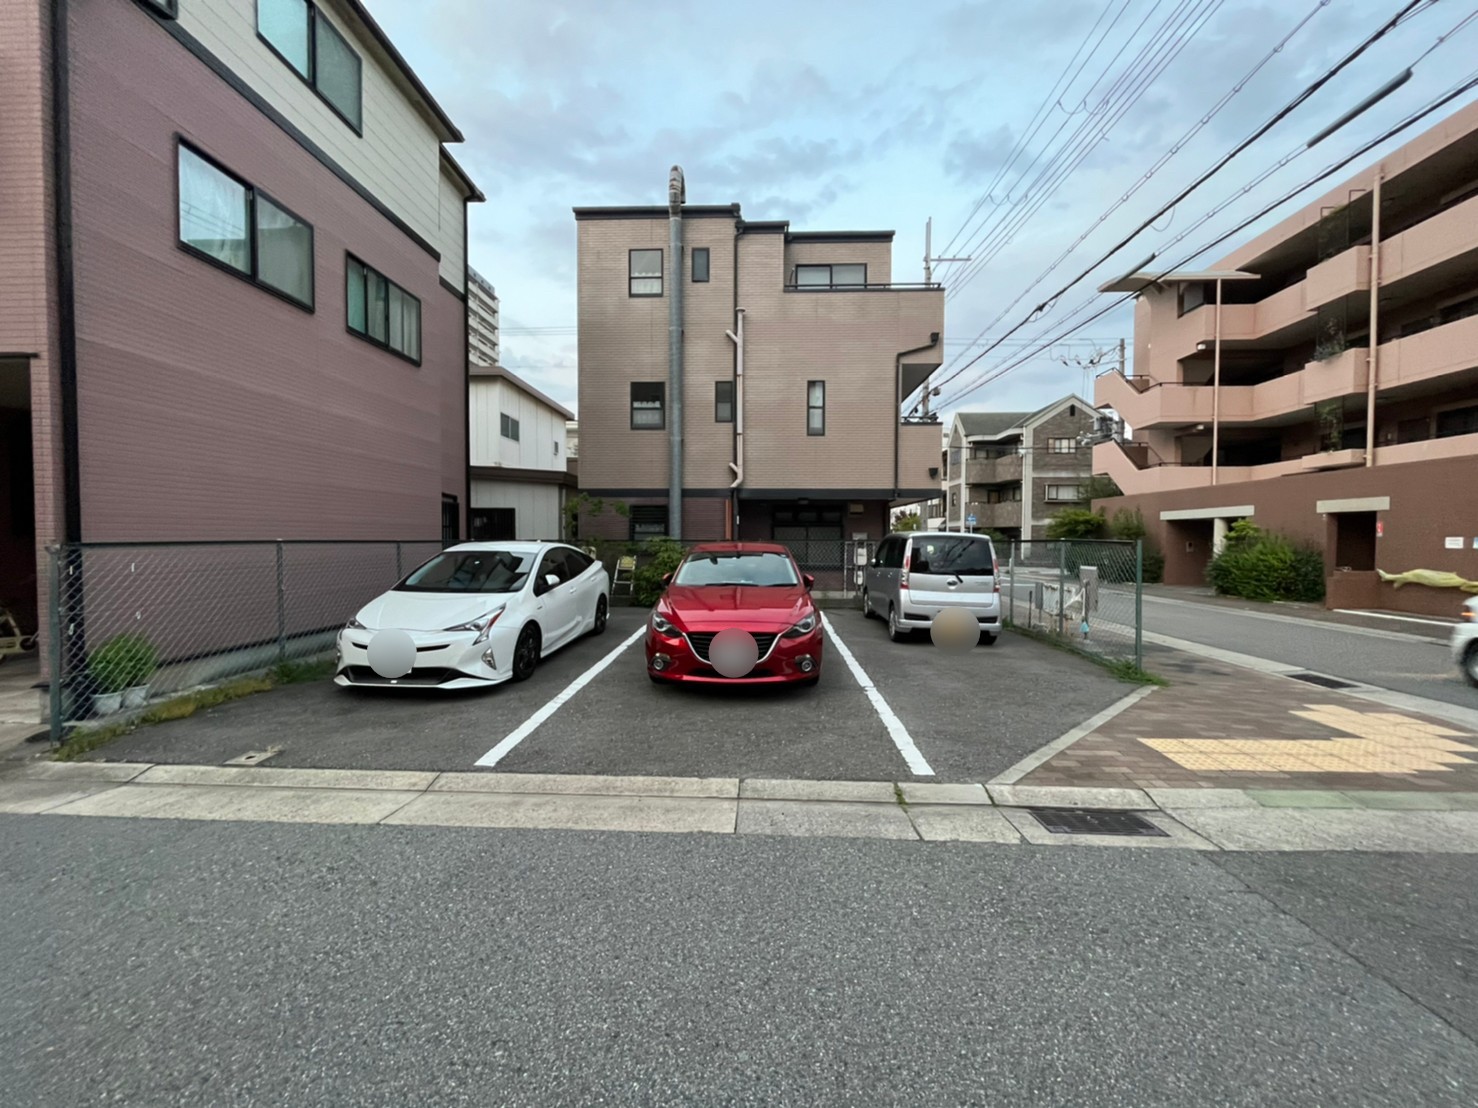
(915, 575)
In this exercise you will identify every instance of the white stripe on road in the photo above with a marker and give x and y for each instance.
(528, 726)
(896, 731)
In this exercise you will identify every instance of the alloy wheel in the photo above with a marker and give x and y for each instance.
(600, 616)
(526, 653)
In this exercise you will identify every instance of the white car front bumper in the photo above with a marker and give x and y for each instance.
(444, 660)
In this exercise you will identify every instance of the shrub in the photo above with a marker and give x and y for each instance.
(1154, 566)
(655, 559)
(1127, 525)
(122, 662)
(1076, 523)
(1256, 565)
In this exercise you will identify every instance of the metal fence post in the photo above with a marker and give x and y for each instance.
(1139, 603)
(54, 643)
(281, 610)
(1062, 588)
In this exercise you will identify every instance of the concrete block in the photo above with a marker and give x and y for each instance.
(23, 798)
(1170, 799)
(918, 792)
(1044, 796)
(874, 792)
(839, 819)
(262, 777)
(568, 812)
(225, 802)
(962, 823)
(560, 784)
(79, 771)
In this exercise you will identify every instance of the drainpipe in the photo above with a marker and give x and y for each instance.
(676, 195)
(1373, 364)
(898, 400)
(1216, 391)
(737, 335)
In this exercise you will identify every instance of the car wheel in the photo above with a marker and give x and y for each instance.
(526, 653)
(867, 612)
(1470, 664)
(599, 626)
(989, 640)
(895, 632)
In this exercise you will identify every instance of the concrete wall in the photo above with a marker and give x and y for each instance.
(541, 428)
(537, 514)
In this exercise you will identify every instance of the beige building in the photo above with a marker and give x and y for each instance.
(1010, 472)
(796, 351)
(1322, 381)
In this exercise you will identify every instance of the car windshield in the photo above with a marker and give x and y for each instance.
(956, 555)
(471, 571)
(758, 568)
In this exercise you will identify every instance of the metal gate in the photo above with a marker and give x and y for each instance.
(856, 554)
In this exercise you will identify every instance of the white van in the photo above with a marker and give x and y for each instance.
(915, 575)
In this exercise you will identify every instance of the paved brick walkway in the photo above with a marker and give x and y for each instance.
(1221, 727)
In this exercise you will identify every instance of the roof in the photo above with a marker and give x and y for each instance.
(383, 41)
(474, 194)
(990, 423)
(840, 236)
(477, 369)
(1136, 282)
(659, 211)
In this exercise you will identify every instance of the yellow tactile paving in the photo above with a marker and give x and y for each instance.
(1384, 742)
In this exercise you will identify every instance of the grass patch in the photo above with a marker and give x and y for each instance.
(1122, 668)
(85, 740)
(898, 795)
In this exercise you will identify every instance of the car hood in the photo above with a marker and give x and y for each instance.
(715, 607)
(428, 611)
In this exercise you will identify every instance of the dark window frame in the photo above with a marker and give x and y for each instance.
(451, 520)
(509, 428)
(492, 519)
(641, 514)
(1443, 421)
(831, 282)
(251, 276)
(311, 77)
(661, 277)
(353, 259)
(815, 408)
(719, 401)
(661, 386)
(707, 265)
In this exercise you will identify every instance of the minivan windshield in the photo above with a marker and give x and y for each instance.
(957, 555)
(760, 568)
(471, 571)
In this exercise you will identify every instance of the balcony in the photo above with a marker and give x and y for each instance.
(1341, 276)
(995, 516)
(993, 471)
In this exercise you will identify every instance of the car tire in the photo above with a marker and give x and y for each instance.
(989, 640)
(867, 612)
(1470, 665)
(526, 652)
(895, 632)
(602, 611)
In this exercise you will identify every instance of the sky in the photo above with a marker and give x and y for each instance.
(1016, 127)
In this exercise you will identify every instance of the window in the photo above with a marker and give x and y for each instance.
(556, 448)
(302, 36)
(492, 524)
(815, 407)
(1062, 446)
(700, 264)
(644, 272)
(648, 401)
(241, 229)
(508, 426)
(483, 571)
(1458, 421)
(723, 401)
(851, 275)
(1063, 492)
(758, 569)
(962, 556)
(1007, 494)
(380, 311)
(648, 521)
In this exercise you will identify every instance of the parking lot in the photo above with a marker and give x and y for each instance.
(590, 709)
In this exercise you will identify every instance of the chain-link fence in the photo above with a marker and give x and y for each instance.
(1086, 593)
(130, 623)
(832, 562)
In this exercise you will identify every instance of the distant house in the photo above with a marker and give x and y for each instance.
(520, 472)
(1011, 471)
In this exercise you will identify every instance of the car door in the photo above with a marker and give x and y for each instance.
(880, 586)
(556, 600)
(584, 587)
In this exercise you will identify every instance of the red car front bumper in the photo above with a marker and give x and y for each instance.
(684, 658)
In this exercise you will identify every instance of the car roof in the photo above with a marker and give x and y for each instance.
(517, 547)
(938, 535)
(739, 548)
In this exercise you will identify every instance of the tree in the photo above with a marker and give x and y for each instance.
(908, 521)
(585, 504)
(1076, 523)
(1101, 487)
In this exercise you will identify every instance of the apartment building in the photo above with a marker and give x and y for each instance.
(519, 453)
(482, 320)
(232, 263)
(1010, 472)
(1321, 381)
(777, 415)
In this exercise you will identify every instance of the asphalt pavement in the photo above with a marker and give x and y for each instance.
(240, 964)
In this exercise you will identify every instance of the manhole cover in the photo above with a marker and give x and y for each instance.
(1076, 821)
(1322, 681)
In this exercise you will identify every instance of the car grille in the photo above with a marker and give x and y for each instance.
(700, 641)
(427, 675)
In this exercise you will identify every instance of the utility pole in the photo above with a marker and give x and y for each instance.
(929, 258)
(1121, 357)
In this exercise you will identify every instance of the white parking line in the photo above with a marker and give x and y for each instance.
(896, 731)
(528, 726)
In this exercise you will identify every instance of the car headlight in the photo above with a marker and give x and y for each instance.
(483, 625)
(355, 625)
(662, 626)
(804, 627)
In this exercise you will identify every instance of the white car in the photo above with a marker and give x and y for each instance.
(1465, 642)
(475, 615)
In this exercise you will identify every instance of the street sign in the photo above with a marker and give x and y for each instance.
(969, 521)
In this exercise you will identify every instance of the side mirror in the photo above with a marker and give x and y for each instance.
(666, 579)
(808, 580)
(551, 580)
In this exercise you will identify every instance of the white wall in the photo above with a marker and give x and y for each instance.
(536, 507)
(540, 428)
(448, 239)
(399, 156)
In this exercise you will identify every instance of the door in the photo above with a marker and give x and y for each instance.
(556, 600)
(584, 587)
(947, 571)
(883, 575)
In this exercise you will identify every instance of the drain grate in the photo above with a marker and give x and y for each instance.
(1322, 681)
(1076, 821)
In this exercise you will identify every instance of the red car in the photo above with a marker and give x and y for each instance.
(753, 586)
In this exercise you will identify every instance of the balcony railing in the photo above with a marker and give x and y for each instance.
(993, 471)
(871, 286)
